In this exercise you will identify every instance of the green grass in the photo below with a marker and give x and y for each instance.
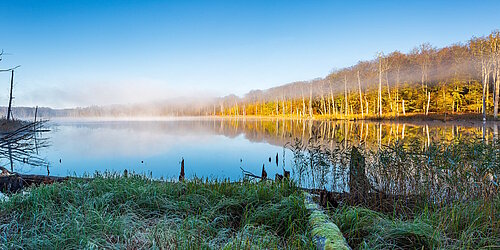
(441, 196)
(135, 212)
(466, 225)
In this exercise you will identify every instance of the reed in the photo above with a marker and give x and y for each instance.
(442, 195)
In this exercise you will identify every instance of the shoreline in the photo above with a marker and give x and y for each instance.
(443, 117)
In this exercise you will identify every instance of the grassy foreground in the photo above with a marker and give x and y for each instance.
(135, 212)
(116, 212)
(467, 225)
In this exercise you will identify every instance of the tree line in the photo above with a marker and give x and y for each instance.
(461, 78)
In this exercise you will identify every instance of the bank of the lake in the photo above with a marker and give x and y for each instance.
(411, 117)
(138, 213)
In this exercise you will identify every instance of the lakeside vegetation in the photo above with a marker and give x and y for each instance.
(134, 212)
(7, 126)
(444, 196)
(439, 196)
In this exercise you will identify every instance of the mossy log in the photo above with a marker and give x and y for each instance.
(324, 232)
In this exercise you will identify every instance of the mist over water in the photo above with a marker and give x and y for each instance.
(218, 147)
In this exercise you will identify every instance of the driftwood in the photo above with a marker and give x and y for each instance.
(22, 144)
(250, 174)
(263, 176)
(11, 182)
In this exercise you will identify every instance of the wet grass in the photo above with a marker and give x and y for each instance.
(438, 196)
(138, 213)
(463, 225)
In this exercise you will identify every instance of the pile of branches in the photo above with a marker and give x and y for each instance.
(11, 182)
(22, 144)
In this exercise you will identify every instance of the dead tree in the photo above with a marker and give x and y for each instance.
(9, 110)
(360, 96)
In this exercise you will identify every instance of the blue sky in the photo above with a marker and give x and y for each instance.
(79, 53)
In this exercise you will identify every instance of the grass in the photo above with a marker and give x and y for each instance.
(464, 225)
(440, 196)
(136, 213)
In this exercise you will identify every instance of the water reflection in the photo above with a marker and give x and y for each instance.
(21, 147)
(372, 134)
(219, 147)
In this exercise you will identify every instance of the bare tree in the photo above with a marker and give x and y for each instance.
(333, 99)
(9, 110)
(345, 96)
(479, 48)
(381, 68)
(310, 100)
(495, 48)
(423, 57)
(397, 61)
(360, 96)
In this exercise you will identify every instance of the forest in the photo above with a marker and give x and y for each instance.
(461, 78)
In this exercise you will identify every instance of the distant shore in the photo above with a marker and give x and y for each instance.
(412, 117)
(443, 117)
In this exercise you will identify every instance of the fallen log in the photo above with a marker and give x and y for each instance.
(11, 182)
(325, 234)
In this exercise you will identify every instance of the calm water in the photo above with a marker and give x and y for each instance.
(215, 148)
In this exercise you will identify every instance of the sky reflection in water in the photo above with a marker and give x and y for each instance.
(214, 148)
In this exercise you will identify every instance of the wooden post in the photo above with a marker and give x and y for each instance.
(9, 110)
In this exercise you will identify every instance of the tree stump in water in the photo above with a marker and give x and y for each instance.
(358, 182)
(182, 174)
(264, 173)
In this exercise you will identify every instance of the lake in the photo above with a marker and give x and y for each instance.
(214, 148)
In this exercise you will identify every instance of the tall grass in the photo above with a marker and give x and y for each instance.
(439, 172)
(441, 195)
(461, 225)
(136, 212)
